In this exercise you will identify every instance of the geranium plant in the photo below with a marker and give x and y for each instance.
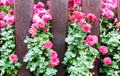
(41, 58)
(79, 58)
(109, 36)
(80, 55)
(9, 64)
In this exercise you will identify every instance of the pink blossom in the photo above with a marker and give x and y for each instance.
(107, 13)
(40, 24)
(54, 61)
(53, 54)
(48, 3)
(48, 45)
(39, 5)
(91, 40)
(103, 49)
(2, 14)
(92, 17)
(46, 18)
(11, 20)
(2, 23)
(11, 11)
(107, 60)
(36, 18)
(46, 30)
(86, 28)
(33, 30)
(72, 18)
(43, 12)
(13, 58)
(77, 16)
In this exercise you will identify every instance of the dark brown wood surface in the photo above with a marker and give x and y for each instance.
(118, 10)
(93, 6)
(23, 17)
(59, 12)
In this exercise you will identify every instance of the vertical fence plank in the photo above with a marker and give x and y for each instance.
(93, 6)
(23, 17)
(118, 10)
(59, 12)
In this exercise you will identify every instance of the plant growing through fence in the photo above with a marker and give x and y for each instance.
(41, 58)
(9, 64)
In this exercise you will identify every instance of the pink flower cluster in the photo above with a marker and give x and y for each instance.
(41, 16)
(54, 60)
(48, 45)
(107, 60)
(6, 2)
(91, 40)
(7, 18)
(81, 18)
(74, 4)
(107, 8)
(13, 58)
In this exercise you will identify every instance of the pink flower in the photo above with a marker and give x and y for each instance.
(91, 40)
(13, 58)
(46, 30)
(40, 5)
(2, 23)
(36, 18)
(54, 61)
(33, 30)
(103, 49)
(107, 13)
(11, 20)
(40, 24)
(46, 18)
(86, 28)
(48, 45)
(2, 14)
(48, 3)
(53, 54)
(107, 60)
(11, 11)
(92, 17)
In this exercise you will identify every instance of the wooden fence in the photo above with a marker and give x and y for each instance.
(59, 12)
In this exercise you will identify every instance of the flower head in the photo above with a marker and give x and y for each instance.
(13, 58)
(53, 54)
(103, 49)
(91, 40)
(2, 23)
(48, 45)
(107, 60)
(33, 30)
(86, 28)
(54, 61)
(92, 17)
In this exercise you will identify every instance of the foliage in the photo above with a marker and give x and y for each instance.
(8, 65)
(79, 57)
(41, 58)
(110, 35)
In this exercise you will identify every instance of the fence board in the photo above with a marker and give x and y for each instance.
(59, 12)
(118, 10)
(93, 6)
(23, 16)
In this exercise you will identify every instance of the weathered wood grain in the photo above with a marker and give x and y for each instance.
(59, 12)
(23, 18)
